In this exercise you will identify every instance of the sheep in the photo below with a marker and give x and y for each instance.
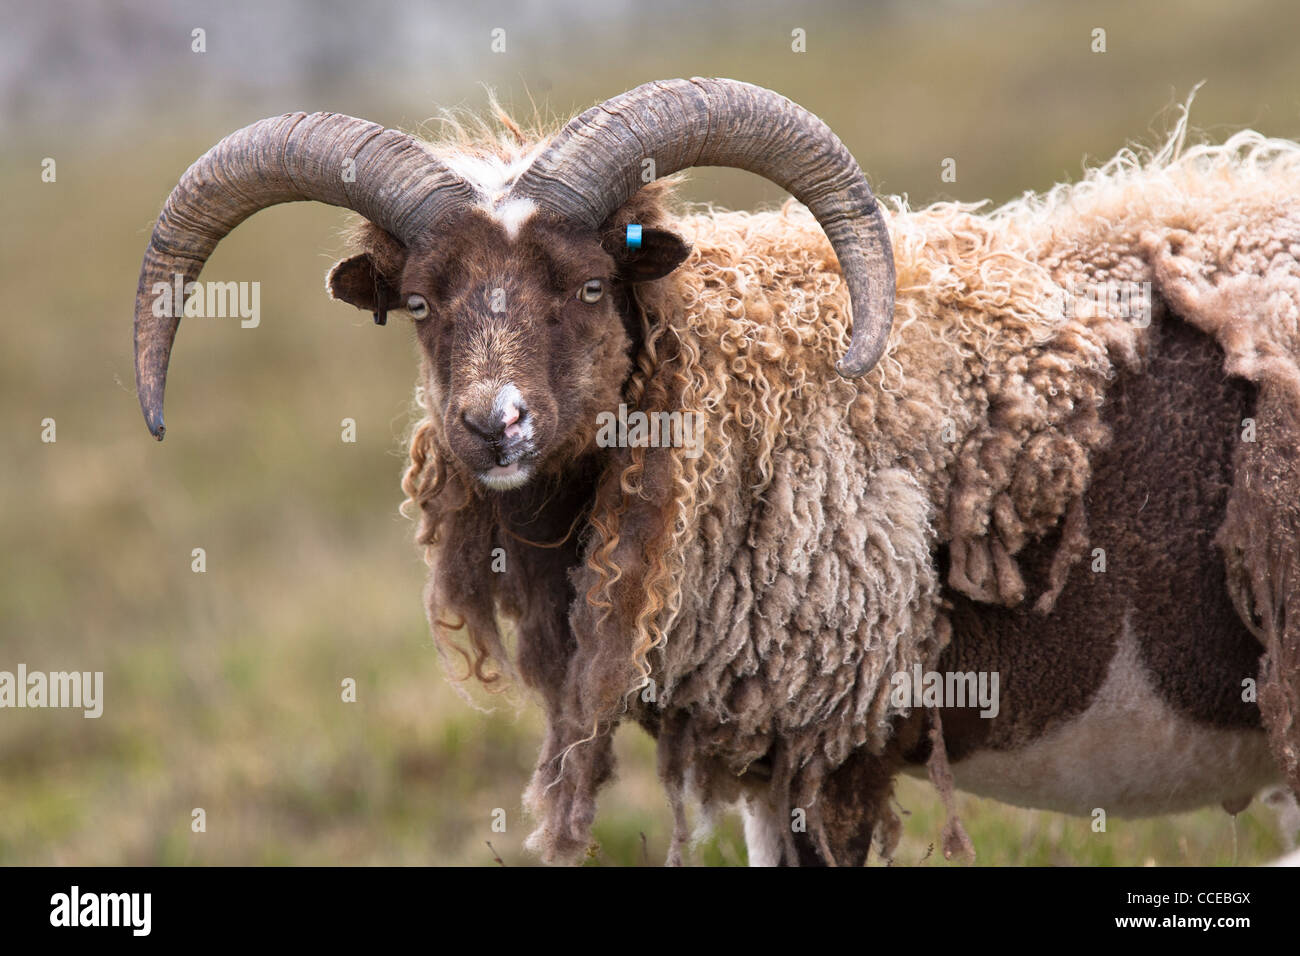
(1091, 496)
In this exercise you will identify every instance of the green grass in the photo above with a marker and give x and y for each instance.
(223, 688)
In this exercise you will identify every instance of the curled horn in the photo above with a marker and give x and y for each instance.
(595, 164)
(291, 158)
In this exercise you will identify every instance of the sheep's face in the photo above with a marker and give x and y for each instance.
(525, 326)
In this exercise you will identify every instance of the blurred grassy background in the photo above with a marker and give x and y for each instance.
(223, 688)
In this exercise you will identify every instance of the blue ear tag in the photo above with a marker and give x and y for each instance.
(633, 236)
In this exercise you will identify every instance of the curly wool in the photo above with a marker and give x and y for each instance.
(780, 578)
(809, 525)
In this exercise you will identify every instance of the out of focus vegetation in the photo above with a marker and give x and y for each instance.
(223, 688)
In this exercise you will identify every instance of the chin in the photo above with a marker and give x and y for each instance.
(505, 477)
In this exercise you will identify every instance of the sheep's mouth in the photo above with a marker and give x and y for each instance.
(508, 476)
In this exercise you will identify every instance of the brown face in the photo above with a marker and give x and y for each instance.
(525, 328)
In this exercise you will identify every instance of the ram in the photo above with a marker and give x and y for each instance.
(1056, 467)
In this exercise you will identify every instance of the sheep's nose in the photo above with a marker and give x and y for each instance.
(499, 425)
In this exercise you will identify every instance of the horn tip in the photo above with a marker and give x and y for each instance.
(852, 366)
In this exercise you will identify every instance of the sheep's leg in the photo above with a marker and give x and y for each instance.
(764, 840)
(849, 807)
(855, 807)
(1279, 698)
(848, 836)
(1286, 808)
(1260, 539)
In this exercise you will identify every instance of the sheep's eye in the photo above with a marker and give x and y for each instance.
(591, 291)
(418, 307)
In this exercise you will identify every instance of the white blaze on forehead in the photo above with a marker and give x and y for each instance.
(491, 178)
(513, 213)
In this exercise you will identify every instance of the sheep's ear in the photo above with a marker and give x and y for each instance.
(659, 253)
(358, 281)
